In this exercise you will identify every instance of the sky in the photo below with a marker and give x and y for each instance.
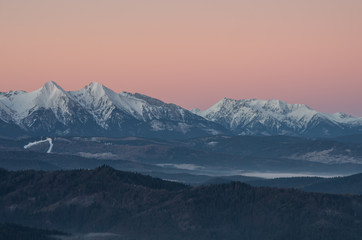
(191, 52)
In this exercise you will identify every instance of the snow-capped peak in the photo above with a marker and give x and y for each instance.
(95, 87)
(51, 86)
(50, 97)
(94, 84)
(270, 116)
(50, 91)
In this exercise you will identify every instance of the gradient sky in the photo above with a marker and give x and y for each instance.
(189, 52)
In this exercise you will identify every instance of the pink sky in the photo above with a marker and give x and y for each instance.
(192, 53)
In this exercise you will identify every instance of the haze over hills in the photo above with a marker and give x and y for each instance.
(215, 156)
(96, 110)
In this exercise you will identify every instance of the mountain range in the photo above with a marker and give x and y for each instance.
(275, 117)
(96, 110)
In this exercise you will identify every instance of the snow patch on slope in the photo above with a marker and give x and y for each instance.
(31, 144)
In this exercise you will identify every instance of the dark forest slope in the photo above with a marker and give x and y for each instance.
(141, 207)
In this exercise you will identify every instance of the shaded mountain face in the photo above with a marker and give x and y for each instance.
(97, 111)
(140, 207)
(275, 117)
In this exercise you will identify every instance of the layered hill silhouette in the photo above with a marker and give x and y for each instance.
(140, 207)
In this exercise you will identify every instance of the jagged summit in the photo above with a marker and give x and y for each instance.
(51, 90)
(98, 110)
(51, 85)
(94, 84)
(276, 117)
(97, 89)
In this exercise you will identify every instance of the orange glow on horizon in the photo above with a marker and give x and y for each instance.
(192, 53)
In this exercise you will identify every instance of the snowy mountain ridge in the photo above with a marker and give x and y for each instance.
(98, 110)
(21, 104)
(275, 117)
